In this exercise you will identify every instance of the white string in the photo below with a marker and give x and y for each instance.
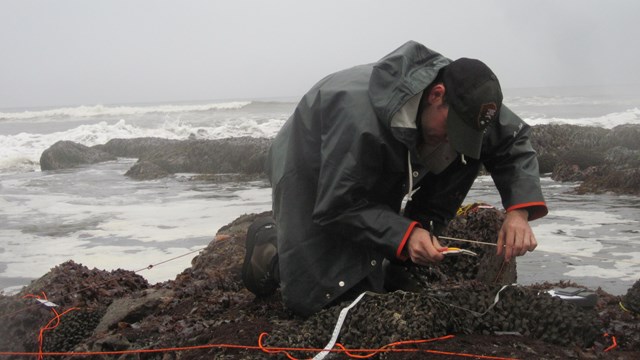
(477, 314)
(336, 331)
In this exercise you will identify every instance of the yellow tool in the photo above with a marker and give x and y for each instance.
(458, 251)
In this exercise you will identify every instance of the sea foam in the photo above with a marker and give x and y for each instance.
(21, 152)
(609, 121)
(104, 110)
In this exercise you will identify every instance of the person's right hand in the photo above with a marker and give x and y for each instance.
(423, 248)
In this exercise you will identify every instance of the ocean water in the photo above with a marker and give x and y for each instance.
(96, 216)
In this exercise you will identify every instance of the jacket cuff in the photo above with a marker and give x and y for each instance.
(400, 253)
(536, 209)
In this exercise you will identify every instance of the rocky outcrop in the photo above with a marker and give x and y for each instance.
(130, 309)
(135, 148)
(240, 159)
(67, 154)
(611, 178)
(207, 304)
(602, 159)
(631, 300)
(627, 136)
(570, 144)
(146, 170)
(243, 155)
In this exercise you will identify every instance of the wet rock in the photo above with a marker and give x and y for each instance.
(115, 342)
(235, 155)
(611, 179)
(146, 170)
(135, 148)
(627, 135)
(623, 157)
(478, 223)
(68, 285)
(76, 285)
(631, 300)
(605, 160)
(207, 304)
(568, 152)
(131, 310)
(467, 308)
(239, 158)
(67, 154)
(580, 145)
(572, 172)
(76, 326)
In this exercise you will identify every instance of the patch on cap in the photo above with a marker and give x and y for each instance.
(487, 114)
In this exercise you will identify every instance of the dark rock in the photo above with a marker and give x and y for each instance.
(234, 155)
(226, 178)
(554, 143)
(229, 159)
(135, 148)
(623, 157)
(481, 222)
(631, 300)
(611, 179)
(116, 342)
(67, 154)
(465, 308)
(207, 304)
(627, 136)
(566, 150)
(604, 160)
(571, 172)
(146, 170)
(478, 222)
(77, 326)
(131, 310)
(68, 285)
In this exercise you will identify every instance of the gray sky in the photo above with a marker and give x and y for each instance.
(81, 52)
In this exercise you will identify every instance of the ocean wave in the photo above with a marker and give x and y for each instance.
(609, 121)
(21, 152)
(103, 110)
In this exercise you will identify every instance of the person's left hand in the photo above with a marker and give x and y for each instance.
(516, 236)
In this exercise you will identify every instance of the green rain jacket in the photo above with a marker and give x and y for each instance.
(341, 166)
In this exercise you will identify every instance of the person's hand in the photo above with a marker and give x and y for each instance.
(423, 248)
(516, 237)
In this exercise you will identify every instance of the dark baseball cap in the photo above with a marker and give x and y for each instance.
(474, 96)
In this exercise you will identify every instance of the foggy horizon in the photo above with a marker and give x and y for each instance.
(71, 52)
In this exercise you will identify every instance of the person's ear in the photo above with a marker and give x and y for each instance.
(436, 95)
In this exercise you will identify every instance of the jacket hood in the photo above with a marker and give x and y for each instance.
(399, 77)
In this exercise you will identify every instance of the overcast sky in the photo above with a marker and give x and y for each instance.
(63, 52)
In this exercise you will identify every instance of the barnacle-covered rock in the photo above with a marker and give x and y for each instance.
(206, 304)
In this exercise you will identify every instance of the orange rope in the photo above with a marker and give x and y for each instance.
(50, 325)
(373, 352)
(268, 350)
(614, 342)
(398, 343)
